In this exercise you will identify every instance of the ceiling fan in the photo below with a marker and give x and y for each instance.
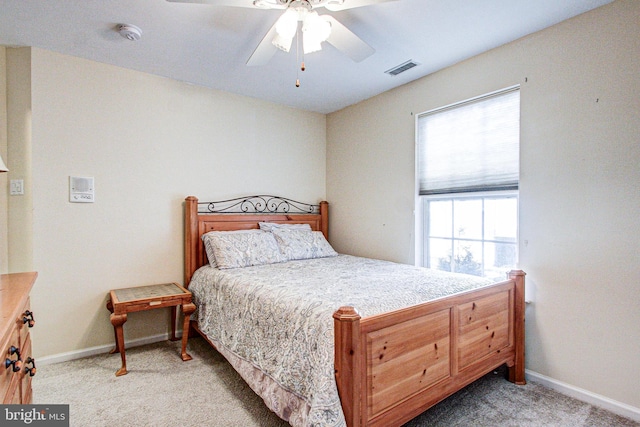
(315, 28)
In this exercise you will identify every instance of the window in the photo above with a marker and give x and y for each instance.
(468, 174)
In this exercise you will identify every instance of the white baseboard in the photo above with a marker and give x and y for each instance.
(101, 349)
(614, 406)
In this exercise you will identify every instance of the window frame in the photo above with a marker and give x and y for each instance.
(422, 255)
(424, 258)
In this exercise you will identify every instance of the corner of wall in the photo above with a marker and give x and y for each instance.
(4, 187)
(18, 114)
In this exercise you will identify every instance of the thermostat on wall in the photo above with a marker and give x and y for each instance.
(81, 189)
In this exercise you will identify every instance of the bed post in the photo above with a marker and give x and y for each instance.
(324, 219)
(190, 237)
(348, 365)
(516, 372)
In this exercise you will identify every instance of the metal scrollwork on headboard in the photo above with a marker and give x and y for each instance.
(257, 204)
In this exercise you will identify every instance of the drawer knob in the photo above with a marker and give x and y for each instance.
(30, 370)
(17, 364)
(28, 318)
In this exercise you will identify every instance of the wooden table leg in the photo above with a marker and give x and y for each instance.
(187, 310)
(115, 333)
(173, 323)
(117, 320)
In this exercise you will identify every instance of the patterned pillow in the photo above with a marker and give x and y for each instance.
(242, 248)
(300, 244)
(270, 226)
(211, 256)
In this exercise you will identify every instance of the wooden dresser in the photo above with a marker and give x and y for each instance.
(16, 319)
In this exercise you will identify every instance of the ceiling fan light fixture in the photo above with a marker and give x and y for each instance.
(271, 4)
(315, 30)
(286, 28)
(282, 43)
(300, 20)
(309, 45)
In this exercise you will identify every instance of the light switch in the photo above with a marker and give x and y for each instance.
(16, 187)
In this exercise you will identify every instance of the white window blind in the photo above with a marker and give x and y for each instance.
(470, 146)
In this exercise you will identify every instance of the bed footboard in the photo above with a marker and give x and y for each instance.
(394, 366)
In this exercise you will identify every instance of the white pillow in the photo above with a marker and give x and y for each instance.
(270, 226)
(242, 248)
(300, 244)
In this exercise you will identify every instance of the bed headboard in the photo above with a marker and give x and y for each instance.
(242, 213)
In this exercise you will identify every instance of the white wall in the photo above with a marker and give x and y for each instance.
(20, 208)
(579, 187)
(149, 142)
(4, 186)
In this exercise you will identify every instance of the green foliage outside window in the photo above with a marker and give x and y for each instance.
(464, 263)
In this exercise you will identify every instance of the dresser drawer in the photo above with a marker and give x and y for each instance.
(22, 322)
(15, 339)
(23, 376)
(9, 379)
(13, 393)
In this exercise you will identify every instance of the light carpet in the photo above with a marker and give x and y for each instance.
(161, 390)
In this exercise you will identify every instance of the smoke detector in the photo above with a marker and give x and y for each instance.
(130, 32)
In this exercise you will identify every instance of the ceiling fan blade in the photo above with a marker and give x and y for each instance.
(345, 41)
(233, 3)
(350, 4)
(265, 50)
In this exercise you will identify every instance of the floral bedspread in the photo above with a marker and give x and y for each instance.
(274, 322)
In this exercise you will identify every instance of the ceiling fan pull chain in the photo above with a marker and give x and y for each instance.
(302, 66)
(298, 57)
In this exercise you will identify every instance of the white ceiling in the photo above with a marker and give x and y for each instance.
(209, 45)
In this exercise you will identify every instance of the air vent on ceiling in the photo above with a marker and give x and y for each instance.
(401, 68)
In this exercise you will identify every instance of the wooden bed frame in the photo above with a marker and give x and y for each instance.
(392, 367)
